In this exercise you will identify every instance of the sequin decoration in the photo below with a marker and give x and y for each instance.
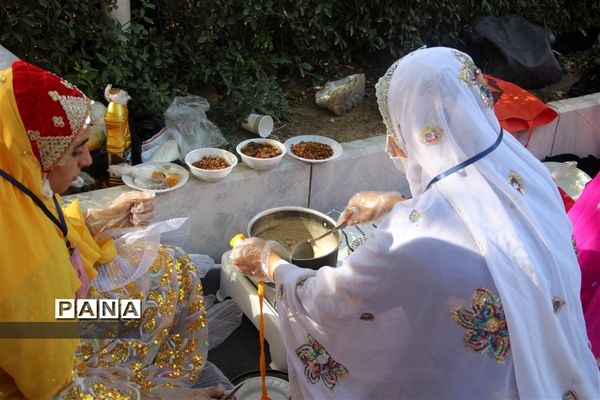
(58, 122)
(300, 282)
(558, 304)
(516, 181)
(431, 135)
(473, 76)
(367, 316)
(319, 365)
(54, 147)
(487, 331)
(281, 292)
(570, 395)
(415, 217)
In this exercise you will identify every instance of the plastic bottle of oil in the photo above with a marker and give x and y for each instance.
(118, 135)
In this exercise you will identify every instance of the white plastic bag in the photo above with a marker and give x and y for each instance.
(186, 122)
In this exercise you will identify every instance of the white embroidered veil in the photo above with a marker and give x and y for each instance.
(435, 105)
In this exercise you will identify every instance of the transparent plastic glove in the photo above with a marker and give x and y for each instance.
(251, 256)
(368, 206)
(128, 210)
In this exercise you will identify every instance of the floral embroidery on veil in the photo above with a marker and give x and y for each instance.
(319, 365)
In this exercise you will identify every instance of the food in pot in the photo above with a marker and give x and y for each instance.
(261, 150)
(312, 150)
(211, 162)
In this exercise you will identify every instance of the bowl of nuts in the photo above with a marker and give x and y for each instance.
(210, 164)
(261, 154)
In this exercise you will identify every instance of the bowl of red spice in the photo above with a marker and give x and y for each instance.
(261, 154)
(210, 164)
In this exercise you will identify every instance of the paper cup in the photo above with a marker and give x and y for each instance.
(262, 125)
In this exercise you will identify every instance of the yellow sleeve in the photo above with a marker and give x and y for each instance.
(92, 251)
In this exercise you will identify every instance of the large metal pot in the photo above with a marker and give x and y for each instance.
(289, 225)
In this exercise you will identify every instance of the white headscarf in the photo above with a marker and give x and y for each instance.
(438, 110)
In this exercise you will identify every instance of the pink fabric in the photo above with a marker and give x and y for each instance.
(585, 216)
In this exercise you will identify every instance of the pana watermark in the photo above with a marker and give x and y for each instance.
(97, 309)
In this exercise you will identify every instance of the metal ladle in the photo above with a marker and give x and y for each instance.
(304, 249)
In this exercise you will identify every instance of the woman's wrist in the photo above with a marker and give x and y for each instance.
(273, 263)
(392, 198)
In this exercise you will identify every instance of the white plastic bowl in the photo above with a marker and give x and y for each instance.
(210, 175)
(261, 164)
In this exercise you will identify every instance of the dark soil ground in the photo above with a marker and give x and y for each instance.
(364, 120)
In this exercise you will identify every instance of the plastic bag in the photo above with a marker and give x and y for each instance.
(186, 122)
(513, 49)
(568, 177)
(340, 96)
(222, 319)
(160, 148)
(129, 210)
(136, 251)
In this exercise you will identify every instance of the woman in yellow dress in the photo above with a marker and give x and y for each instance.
(49, 253)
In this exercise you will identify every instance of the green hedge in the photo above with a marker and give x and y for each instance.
(247, 52)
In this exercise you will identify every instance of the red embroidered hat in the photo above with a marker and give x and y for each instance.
(53, 111)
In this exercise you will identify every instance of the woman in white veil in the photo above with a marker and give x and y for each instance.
(468, 290)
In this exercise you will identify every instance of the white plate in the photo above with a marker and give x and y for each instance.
(335, 146)
(128, 179)
(277, 388)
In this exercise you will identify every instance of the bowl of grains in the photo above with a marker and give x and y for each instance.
(261, 154)
(210, 164)
(313, 148)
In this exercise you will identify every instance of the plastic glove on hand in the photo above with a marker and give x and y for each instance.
(129, 209)
(251, 257)
(368, 206)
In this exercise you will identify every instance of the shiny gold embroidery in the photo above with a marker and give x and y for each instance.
(156, 266)
(168, 268)
(485, 323)
(430, 135)
(120, 353)
(516, 182)
(98, 391)
(574, 243)
(179, 349)
(87, 350)
(156, 297)
(558, 304)
(149, 318)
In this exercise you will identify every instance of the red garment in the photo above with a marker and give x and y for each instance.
(567, 200)
(53, 111)
(517, 109)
